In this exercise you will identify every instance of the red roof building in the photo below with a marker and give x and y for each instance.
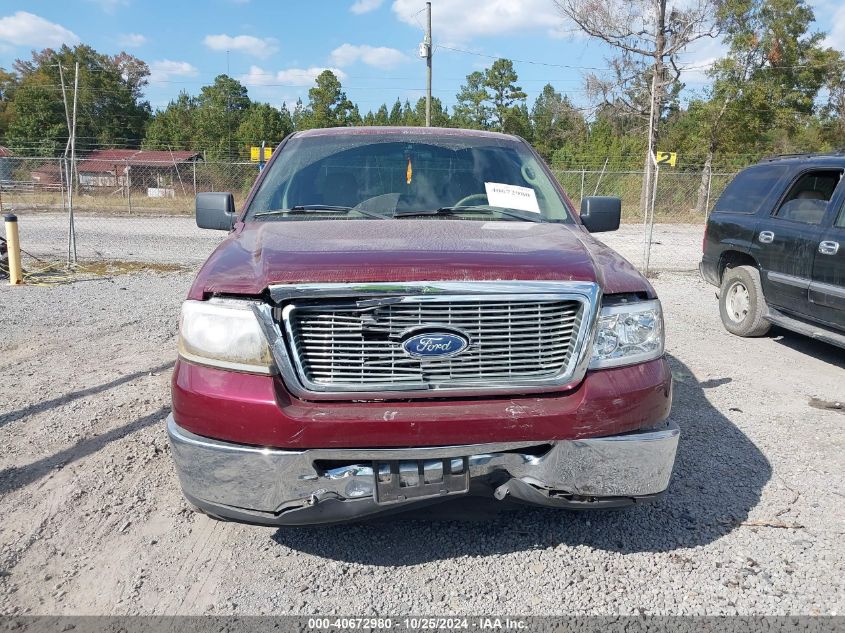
(136, 168)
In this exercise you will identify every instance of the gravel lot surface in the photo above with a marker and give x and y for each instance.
(92, 520)
(177, 240)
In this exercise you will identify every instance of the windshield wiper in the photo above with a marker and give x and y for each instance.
(306, 208)
(471, 209)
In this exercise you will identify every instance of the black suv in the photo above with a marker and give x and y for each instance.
(775, 246)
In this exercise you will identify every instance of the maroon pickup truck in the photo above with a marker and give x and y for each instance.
(403, 315)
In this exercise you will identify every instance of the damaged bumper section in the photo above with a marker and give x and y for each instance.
(298, 487)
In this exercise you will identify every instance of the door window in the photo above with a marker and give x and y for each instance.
(840, 221)
(807, 200)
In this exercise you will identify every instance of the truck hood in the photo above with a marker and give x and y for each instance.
(258, 254)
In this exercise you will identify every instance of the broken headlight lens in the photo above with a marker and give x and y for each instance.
(628, 333)
(224, 333)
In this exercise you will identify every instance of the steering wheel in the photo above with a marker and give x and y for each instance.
(471, 199)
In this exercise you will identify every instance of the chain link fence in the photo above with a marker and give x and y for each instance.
(123, 210)
(667, 239)
(119, 186)
(115, 201)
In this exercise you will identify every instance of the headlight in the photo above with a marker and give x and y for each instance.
(224, 333)
(628, 333)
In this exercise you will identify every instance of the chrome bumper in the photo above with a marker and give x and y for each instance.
(282, 487)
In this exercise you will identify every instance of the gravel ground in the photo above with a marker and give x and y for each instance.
(177, 240)
(92, 520)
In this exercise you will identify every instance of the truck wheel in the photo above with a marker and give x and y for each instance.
(741, 302)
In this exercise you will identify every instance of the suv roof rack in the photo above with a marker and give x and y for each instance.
(832, 153)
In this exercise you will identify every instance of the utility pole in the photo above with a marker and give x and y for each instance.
(64, 99)
(228, 106)
(648, 197)
(71, 237)
(427, 48)
(63, 161)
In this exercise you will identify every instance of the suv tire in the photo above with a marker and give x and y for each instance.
(741, 302)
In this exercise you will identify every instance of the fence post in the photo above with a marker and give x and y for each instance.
(62, 185)
(71, 232)
(603, 169)
(709, 184)
(128, 180)
(649, 232)
(583, 173)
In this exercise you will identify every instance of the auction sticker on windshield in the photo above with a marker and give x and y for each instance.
(511, 197)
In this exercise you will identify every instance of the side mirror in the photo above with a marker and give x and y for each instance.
(601, 213)
(216, 211)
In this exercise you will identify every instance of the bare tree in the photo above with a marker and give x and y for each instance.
(648, 37)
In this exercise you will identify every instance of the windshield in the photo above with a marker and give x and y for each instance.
(404, 174)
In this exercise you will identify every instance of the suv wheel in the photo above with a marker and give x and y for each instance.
(741, 302)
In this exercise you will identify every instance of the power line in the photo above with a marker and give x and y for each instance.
(519, 61)
(597, 68)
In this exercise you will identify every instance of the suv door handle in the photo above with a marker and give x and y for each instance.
(766, 237)
(829, 247)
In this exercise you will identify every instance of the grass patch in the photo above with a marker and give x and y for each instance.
(48, 273)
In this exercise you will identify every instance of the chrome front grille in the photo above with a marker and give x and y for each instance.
(354, 344)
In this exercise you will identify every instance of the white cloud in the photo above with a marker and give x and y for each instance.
(290, 77)
(164, 69)
(698, 58)
(462, 20)
(257, 76)
(836, 36)
(365, 6)
(251, 45)
(132, 40)
(376, 56)
(28, 29)
(302, 76)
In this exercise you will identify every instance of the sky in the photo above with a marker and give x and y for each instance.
(277, 48)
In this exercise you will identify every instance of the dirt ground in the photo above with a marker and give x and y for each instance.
(92, 520)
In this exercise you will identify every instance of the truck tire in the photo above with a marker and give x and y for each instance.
(741, 302)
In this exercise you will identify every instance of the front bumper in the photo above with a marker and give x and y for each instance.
(288, 487)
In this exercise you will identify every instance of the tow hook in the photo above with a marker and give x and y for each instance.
(314, 497)
(501, 492)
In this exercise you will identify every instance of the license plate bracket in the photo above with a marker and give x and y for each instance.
(404, 480)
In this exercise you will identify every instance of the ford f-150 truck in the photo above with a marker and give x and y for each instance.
(400, 316)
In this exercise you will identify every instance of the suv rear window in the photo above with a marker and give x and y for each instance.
(749, 189)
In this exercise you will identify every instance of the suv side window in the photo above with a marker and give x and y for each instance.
(807, 199)
(749, 189)
(840, 221)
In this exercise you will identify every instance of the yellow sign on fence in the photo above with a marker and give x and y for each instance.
(255, 153)
(667, 158)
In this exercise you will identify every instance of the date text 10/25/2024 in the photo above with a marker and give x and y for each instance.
(420, 623)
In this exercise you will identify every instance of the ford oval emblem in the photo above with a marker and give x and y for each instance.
(435, 343)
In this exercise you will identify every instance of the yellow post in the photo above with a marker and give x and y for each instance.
(14, 244)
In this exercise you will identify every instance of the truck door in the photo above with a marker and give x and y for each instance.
(827, 288)
(785, 242)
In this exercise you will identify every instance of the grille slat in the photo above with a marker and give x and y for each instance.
(339, 344)
(500, 352)
(527, 332)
